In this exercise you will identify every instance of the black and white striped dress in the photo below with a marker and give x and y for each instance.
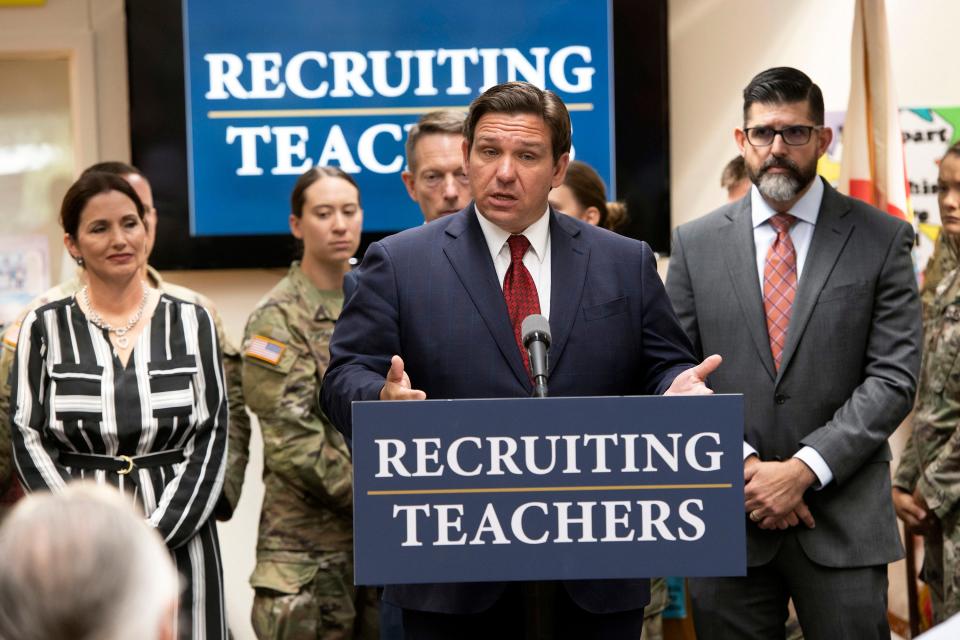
(70, 392)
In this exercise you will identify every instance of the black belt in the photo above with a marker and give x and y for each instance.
(122, 465)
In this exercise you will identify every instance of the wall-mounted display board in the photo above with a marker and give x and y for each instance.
(231, 100)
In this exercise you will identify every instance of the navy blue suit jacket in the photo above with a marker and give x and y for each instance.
(350, 284)
(431, 295)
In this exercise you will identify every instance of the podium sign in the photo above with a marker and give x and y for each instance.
(548, 489)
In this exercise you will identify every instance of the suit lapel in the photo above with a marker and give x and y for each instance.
(466, 249)
(742, 266)
(568, 265)
(829, 237)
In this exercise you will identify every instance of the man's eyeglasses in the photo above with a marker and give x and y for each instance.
(794, 136)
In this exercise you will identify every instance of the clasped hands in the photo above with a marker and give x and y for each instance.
(773, 492)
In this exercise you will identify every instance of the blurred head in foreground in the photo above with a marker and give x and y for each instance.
(82, 564)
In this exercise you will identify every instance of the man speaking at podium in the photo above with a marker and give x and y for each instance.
(438, 316)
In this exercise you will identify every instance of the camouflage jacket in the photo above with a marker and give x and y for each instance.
(239, 431)
(308, 495)
(931, 459)
(943, 260)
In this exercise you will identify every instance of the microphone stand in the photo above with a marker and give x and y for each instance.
(539, 596)
(537, 355)
(539, 387)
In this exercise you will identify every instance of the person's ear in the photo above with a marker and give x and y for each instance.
(824, 138)
(741, 139)
(465, 149)
(409, 182)
(591, 215)
(72, 248)
(165, 631)
(560, 170)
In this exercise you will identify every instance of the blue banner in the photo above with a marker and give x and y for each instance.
(546, 489)
(275, 88)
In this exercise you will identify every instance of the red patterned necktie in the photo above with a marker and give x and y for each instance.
(779, 284)
(519, 291)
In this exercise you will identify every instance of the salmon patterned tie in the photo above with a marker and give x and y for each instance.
(519, 291)
(779, 284)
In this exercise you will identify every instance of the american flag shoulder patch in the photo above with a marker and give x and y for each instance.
(266, 349)
(11, 334)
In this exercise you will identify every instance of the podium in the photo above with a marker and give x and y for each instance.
(532, 489)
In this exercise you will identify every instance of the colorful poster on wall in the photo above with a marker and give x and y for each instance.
(24, 272)
(927, 133)
(315, 82)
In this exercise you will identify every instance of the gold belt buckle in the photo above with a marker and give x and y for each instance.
(129, 468)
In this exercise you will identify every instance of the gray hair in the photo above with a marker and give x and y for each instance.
(443, 121)
(82, 564)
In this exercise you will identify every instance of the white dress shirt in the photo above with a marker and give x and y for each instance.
(806, 211)
(536, 259)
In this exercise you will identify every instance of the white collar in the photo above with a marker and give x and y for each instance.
(807, 207)
(537, 233)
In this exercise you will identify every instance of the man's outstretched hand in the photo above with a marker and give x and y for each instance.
(397, 385)
(693, 381)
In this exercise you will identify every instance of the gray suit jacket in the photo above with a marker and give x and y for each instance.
(849, 369)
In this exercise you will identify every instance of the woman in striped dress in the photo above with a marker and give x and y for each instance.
(124, 385)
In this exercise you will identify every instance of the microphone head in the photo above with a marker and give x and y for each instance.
(535, 327)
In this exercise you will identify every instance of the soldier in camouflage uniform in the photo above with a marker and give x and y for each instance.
(926, 491)
(942, 261)
(239, 429)
(653, 612)
(10, 490)
(304, 573)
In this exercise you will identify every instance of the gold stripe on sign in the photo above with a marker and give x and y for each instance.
(339, 113)
(625, 487)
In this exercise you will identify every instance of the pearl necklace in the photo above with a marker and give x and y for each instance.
(120, 332)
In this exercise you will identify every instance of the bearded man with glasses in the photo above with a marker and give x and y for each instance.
(810, 298)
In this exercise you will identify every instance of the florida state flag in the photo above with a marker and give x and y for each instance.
(872, 166)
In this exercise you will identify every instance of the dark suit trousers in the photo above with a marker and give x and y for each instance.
(508, 619)
(831, 603)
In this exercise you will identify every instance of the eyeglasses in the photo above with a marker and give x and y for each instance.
(794, 135)
(433, 179)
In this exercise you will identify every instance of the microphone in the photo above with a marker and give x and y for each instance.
(535, 332)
